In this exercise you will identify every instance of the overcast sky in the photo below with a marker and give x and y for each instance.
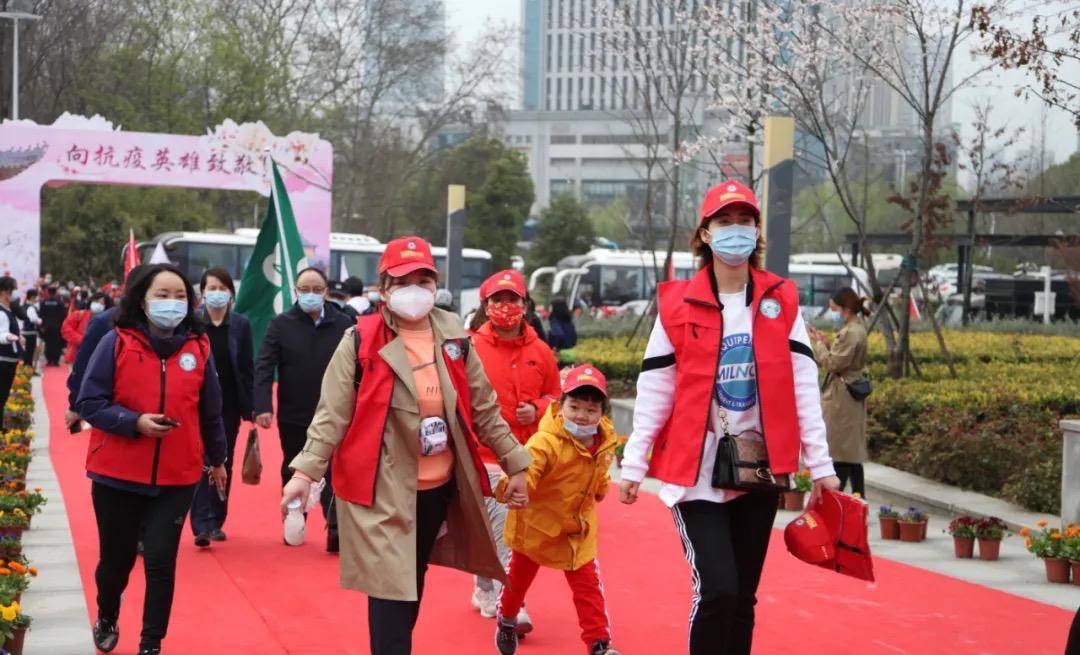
(466, 17)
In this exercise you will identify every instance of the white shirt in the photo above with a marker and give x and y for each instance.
(735, 392)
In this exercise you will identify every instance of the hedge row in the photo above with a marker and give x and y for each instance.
(994, 429)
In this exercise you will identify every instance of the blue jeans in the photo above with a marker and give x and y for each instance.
(208, 511)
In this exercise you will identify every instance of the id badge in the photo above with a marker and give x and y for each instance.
(433, 436)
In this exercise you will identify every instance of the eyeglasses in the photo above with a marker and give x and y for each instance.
(315, 290)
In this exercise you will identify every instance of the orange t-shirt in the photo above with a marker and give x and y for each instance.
(432, 470)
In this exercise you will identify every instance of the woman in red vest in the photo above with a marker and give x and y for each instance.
(403, 408)
(733, 343)
(151, 394)
(525, 376)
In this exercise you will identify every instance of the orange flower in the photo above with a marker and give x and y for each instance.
(1027, 542)
(1056, 536)
(1025, 531)
(17, 567)
(5, 571)
(1041, 523)
(33, 571)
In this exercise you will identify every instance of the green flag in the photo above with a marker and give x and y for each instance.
(267, 286)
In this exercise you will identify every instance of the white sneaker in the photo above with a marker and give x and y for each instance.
(485, 601)
(524, 623)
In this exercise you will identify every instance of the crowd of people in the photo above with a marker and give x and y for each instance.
(445, 442)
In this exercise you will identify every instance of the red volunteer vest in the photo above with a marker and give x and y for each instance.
(692, 318)
(356, 460)
(147, 384)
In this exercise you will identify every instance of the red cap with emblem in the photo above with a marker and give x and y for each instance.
(405, 255)
(808, 537)
(727, 194)
(585, 375)
(508, 280)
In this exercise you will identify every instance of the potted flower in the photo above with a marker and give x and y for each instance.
(13, 523)
(14, 580)
(963, 530)
(796, 500)
(10, 548)
(1045, 544)
(912, 525)
(990, 531)
(13, 624)
(889, 519)
(1070, 550)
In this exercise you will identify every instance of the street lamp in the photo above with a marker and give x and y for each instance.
(15, 17)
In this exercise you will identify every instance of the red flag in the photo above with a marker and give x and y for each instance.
(131, 259)
(913, 309)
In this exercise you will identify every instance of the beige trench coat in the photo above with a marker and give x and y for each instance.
(845, 417)
(378, 543)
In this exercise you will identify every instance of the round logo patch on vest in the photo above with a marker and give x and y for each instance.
(453, 350)
(770, 308)
(187, 362)
(736, 379)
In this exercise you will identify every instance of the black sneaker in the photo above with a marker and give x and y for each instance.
(602, 648)
(333, 544)
(106, 635)
(156, 650)
(506, 639)
(202, 540)
(217, 534)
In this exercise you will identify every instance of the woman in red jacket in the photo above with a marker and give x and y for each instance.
(74, 326)
(733, 343)
(525, 376)
(151, 394)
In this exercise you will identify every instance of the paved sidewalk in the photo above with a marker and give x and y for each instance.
(55, 598)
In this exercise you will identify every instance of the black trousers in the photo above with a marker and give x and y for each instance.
(31, 346)
(293, 438)
(725, 545)
(391, 622)
(123, 517)
(854, 472)
(208, 511)
(54, 345)
(7, 378)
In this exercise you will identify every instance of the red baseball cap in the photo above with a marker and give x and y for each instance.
(585, 375)
(727, 194)
(809, 538)
(405, 255)
(508, 280)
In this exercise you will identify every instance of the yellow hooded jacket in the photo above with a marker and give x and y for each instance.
(559, 527)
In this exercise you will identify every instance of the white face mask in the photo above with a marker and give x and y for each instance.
(578, 430)
(412, 302)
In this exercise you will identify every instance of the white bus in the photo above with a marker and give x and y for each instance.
(352, 254)
(627, 278)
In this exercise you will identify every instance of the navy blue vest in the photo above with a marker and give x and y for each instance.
(11, 351)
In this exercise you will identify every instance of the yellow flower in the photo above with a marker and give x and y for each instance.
(9, 612)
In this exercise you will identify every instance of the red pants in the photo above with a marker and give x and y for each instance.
(585, 585)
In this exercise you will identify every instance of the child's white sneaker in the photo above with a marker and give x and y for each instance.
(485, 601)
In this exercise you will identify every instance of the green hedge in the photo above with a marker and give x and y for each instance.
(994, 429)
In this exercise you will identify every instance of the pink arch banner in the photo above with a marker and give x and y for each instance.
(230, 156)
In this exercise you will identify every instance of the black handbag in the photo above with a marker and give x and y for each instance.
(742, 464)
(860, 389)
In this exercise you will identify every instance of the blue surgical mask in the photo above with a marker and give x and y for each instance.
(579, 431)
(834, 316)
(166, 313)
(217, 299)
(734, 244)
(310, 302)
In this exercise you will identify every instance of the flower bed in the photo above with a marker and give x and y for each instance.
(994, 429)
(17, 508)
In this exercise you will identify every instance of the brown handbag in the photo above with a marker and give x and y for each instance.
(742, 463)
(251, 471)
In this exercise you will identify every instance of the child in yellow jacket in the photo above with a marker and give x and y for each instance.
(568, 476)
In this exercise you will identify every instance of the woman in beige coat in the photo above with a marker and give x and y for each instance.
(844, 360)
(403, 403)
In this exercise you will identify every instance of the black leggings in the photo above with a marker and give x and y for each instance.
(7, 378)
(123, 517)
(391, 622)
(854, 472)
(725, 545)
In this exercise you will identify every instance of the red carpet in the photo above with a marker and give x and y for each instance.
(254, 596)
